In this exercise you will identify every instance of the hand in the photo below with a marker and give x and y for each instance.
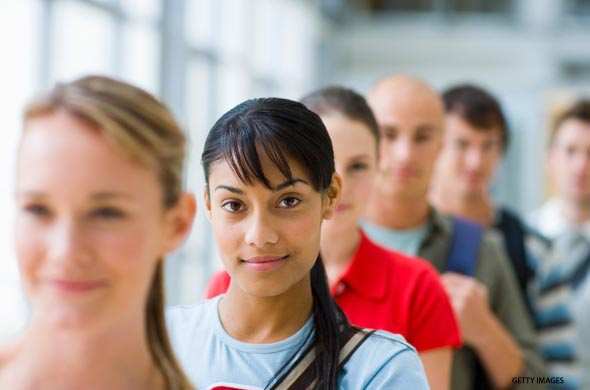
(469, 299)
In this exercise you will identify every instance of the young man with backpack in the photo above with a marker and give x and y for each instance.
(498, 336)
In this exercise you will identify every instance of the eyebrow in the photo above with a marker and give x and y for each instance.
(110, 195)
(360, 156)
(426, 128)
(98, 196)
(283, 185)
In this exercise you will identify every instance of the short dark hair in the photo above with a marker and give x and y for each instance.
(478, 108)
(344, 101)
(580, 110)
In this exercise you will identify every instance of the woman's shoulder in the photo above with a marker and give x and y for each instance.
(385, 360)
(181, 319)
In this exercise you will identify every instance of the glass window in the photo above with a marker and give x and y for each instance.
(83, 40)
(140, 56)
(148, 10)
(200, 22)
(18, 80)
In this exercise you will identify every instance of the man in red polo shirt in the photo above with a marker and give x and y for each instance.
(375, 287)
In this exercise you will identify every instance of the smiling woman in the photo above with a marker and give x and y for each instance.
(270, 182)
(99, 204)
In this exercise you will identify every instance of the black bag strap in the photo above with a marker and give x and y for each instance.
(301, 375)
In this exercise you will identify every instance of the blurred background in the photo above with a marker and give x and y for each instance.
(204, 56)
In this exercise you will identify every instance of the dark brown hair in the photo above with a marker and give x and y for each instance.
(478, 108)
(345, 101)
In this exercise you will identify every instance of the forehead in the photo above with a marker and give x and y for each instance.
(349, 136)
(455, 125)
(60, 150)
(573, 130)
(408, 110)
(221, 172)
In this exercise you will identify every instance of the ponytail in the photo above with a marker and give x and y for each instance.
(329, 323)
(159, 344)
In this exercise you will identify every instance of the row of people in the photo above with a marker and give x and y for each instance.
(328, 222)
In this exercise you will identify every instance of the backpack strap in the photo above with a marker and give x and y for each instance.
(463, 254)
(302, 374)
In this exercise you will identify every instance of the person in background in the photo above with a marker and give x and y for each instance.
(270, 184)
(375, 287)
(99, 204)
(499, 341)
(476, 138)
(565, 219)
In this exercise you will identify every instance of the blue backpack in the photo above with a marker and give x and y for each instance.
(462, 258)
(464, 251)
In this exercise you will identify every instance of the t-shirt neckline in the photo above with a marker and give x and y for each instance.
(290, 342)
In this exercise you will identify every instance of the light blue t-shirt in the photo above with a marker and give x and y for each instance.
(407, 241)
(212, 359)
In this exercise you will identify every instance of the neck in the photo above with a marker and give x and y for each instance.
(338, 247)
(254, 319)
(397, 212)
(577, 212)
(477, 206)
(80, 358)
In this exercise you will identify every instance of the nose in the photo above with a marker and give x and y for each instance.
(260, 231)
(402, 150)
(66, 244)
(473, 159)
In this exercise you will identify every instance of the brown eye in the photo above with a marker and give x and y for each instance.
(359, 166)
(232, 206)
(108, 213)
(289, 202)
(37, 210)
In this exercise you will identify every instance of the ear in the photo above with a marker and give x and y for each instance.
(207, 199)
(332, 196)
(179, 220)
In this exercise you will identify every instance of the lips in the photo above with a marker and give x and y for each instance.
(77, 286)
(264, 263)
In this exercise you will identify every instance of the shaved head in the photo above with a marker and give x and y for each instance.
(410, 115)
(402, 92)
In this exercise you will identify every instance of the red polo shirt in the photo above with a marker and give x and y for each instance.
(383, 289)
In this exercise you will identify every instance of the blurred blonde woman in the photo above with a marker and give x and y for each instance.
(99, 204)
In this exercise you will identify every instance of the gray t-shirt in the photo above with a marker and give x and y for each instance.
(404, 240)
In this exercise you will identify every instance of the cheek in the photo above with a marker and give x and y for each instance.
(304, 231)
(227, 235)
(132, 249)
(360, 188)
(30, 249)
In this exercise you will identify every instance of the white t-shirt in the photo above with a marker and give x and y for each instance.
(214, 360)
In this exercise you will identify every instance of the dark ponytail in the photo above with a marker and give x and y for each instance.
(329, 322)
(284, 129)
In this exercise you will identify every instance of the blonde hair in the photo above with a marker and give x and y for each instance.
(144, 129)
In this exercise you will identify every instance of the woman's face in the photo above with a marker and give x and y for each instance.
(268, 239)
(90, 224)
(355, 154)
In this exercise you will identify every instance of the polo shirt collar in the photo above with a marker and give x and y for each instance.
(367, 273)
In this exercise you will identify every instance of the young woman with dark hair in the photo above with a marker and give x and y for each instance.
(375, 287)
(270, 182)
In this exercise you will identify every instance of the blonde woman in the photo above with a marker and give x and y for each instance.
(99, 204)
